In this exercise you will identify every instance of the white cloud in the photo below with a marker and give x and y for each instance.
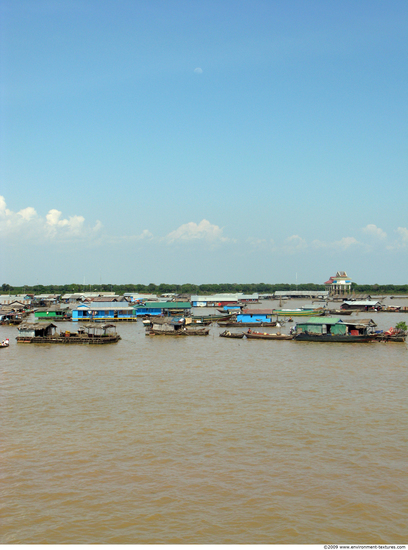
(403, 233)
(402, 240)
(27, 213)
(344, 243)
(145, 235)
(293, 244)
(253, 241)
(198, 70)
(192, 231)
(375, 231)
(28, 224)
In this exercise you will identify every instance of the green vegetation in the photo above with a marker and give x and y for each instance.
(402, 325)
(188, 288)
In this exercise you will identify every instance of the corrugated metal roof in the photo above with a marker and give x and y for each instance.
(320, 321)
(216, 298)
(137, 296)
(257, 311)
(112, 306)
(361, 302)
(301, 293)
(166, 305)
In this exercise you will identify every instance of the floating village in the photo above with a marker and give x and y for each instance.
(333, 315)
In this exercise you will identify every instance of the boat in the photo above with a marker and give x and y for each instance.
(11, 318)
(91, 333)
(55, 315)
(391, 335)
(247, 324)
(185, 331)
(175, 326)
(228, 334)
(268, 336)
(333, 329)
(299, 312)
(211, 318)
(5, 343)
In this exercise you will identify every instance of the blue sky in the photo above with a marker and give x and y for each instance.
(203, 141)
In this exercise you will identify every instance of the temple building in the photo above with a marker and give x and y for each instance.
(339, 284)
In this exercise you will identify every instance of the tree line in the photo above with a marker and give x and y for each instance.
(188, 288)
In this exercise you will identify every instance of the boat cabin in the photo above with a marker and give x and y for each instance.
(361, 305)
(321, 325)
(255, 316)
(172, 324)
(98, 330)
(31, 330)
(163, 308)
(335, 326)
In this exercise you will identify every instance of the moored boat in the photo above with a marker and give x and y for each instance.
(5, 343)
(299, 312)
(211, 318)
(391, 335)
(228, 334)
(246, 324)
(175, 326)
(333, 329)
(91, 333)
(268, 336)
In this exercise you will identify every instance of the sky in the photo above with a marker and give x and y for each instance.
(203, 142)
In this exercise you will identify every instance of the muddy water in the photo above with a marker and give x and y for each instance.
(204, 440)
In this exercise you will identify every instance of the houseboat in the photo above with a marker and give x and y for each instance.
(11, 318)
(175, 326)
(92, 333)
(113, 312)
(299, 312)
(333, 329)
(56, 315)
(163, 308)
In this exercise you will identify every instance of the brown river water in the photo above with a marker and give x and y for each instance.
(204, 440)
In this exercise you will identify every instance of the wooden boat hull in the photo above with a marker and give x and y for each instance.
(228, 334)
(382, 338)
(238, 324)
(262, 336)
(85, 340)
(338, 338)
(211, 318)
(198, 332)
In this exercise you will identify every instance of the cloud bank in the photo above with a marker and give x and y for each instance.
(26, 223)
(193, 231)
